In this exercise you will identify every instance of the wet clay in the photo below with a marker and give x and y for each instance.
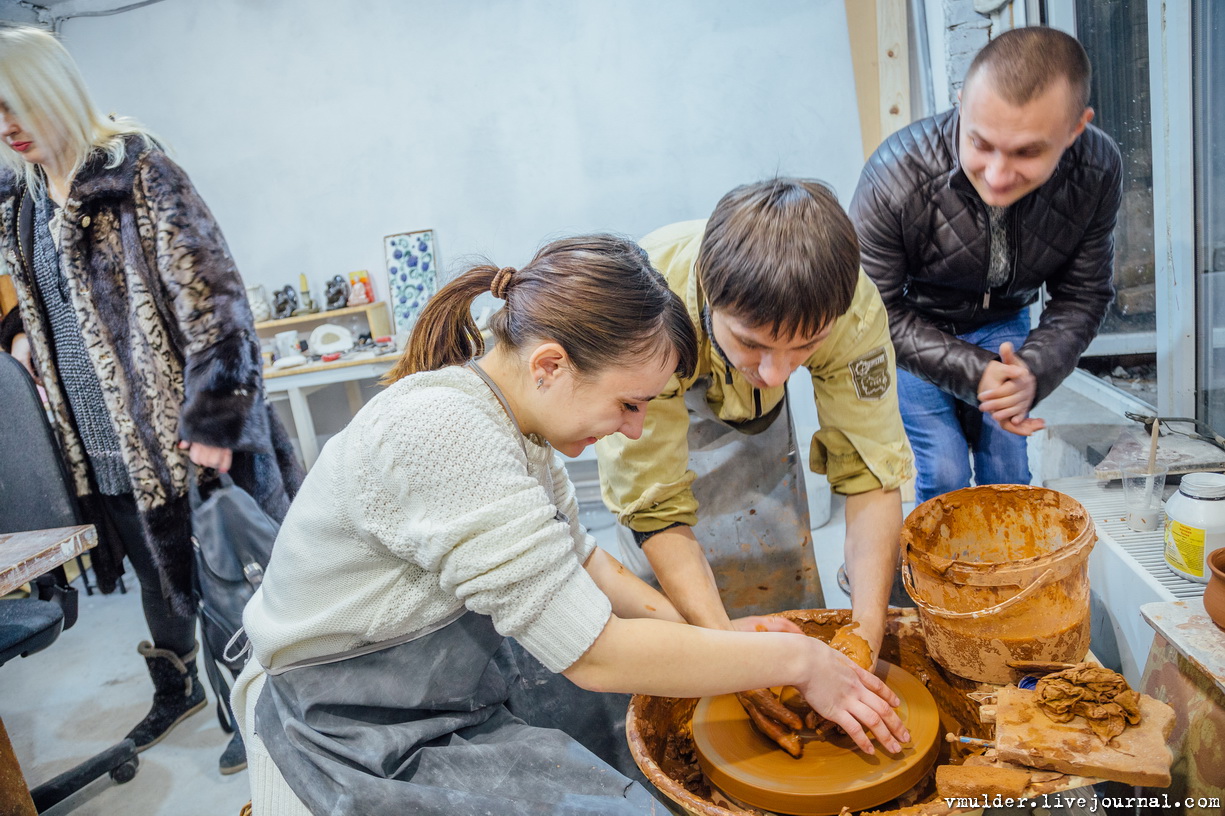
(783, 723)
(658, 728)
(845, 640)
(831, 773)
(1000, 573)
(1137, 756)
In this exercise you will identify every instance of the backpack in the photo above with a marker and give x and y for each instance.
(232, 540)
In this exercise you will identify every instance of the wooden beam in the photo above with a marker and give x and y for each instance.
(861, 27)
(893, 54)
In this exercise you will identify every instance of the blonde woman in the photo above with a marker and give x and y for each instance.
(441, 522)
(132, 313)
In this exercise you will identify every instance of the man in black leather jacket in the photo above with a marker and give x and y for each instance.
(962, 219)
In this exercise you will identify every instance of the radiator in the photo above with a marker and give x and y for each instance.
(1126, 570)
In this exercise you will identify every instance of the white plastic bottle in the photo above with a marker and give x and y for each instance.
(1195, 524)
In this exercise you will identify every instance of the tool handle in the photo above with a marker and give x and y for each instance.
(977, 613)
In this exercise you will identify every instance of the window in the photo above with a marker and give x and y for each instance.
(1115, 35)
(1208, 88)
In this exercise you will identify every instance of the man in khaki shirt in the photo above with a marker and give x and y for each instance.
(772, 282)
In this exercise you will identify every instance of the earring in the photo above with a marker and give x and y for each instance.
(540, 383)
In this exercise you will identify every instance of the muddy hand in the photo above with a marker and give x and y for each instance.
(856, 700)
(773, 719)
(765, 623)
(849, 643)
(791, 697)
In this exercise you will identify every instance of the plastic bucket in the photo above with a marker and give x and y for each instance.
(1000, 573)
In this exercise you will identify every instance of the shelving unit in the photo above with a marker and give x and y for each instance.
(298, 383)
(377, 316)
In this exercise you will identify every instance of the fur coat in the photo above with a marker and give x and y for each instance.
(169, 331)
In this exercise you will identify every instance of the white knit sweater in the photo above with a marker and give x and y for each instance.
(431, 500)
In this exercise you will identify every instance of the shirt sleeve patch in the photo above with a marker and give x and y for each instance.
(870, 373)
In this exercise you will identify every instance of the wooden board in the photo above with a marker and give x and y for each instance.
(1138, 756)
(361, 358)
(25, 556)
(1179, 454)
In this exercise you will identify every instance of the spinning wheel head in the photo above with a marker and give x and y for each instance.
(832, 773)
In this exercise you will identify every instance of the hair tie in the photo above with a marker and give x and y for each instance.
(501, 282)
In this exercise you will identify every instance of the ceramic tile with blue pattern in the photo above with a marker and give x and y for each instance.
(411, 266)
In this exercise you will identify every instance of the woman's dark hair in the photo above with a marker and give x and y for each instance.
(596, 295)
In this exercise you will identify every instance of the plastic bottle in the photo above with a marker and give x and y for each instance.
(1195, 524)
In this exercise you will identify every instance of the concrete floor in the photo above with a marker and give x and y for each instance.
(84, 692)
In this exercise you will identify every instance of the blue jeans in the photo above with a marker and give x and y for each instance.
(945, 432)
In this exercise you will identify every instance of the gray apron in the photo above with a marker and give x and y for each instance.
(420, 726)
(752, 511)
(545, 699)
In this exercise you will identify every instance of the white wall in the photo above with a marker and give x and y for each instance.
(313, 127)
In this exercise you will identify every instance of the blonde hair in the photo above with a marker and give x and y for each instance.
(43, 89)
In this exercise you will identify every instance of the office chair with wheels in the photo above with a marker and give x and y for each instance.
(36, 491)
(28, 454)
(29, 625)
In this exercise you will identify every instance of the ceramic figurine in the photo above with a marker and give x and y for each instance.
(308, 304)
(285, 302)
(359, 291)
(337, 293)
(260, 310)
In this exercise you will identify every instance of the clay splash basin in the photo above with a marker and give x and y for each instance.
(661, 740)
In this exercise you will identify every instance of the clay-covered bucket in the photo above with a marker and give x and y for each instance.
(1000, 573)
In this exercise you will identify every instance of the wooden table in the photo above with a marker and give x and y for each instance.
(24, 557)
(300, 382)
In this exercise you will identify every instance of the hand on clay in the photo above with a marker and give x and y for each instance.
(854, 699)
(773, 719)
(849, 643)
(780, 718)
(765, 623)
(846, 640)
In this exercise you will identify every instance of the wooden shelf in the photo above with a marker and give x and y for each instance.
(321, 316)
(271, 373)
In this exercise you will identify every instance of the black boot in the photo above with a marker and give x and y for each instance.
(177, 694)
(234, 758)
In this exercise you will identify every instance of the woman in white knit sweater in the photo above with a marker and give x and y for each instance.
(440, 522)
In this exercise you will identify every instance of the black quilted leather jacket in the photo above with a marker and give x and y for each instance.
(925, 241)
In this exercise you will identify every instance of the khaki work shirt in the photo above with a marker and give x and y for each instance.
(860, 446)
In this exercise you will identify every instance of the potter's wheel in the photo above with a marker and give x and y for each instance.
(831, 773)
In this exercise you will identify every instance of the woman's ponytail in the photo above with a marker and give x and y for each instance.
(596, 295)
(446, 334)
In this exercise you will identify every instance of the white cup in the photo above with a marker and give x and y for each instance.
(1142, 494)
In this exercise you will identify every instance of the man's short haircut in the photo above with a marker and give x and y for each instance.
(1023, 62)
(780, 253)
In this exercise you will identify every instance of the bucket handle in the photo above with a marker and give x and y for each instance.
(948, 613)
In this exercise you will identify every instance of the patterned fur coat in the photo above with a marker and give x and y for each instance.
(166, 322)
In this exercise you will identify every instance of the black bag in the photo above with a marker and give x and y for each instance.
(232, 539)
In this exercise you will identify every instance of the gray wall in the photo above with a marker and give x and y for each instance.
(313, 128)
